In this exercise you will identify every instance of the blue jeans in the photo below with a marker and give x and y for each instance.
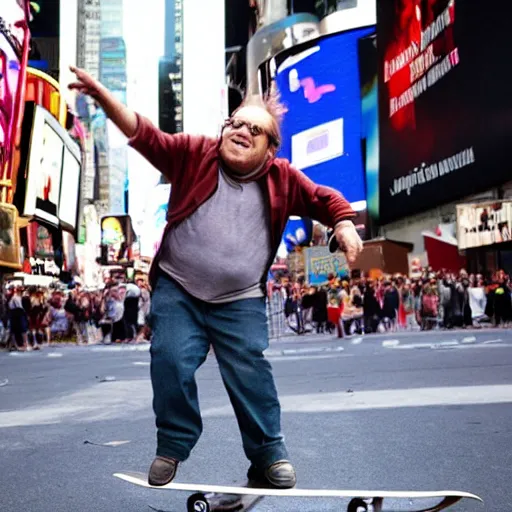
(183, 329)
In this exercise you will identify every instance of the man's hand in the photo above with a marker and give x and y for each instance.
(85, 83)
(119, 114)
(348, 239)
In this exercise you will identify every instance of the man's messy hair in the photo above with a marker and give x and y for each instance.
(271, 102)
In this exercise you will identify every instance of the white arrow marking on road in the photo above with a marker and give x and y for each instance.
(469, 339)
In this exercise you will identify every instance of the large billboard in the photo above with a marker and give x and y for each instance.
(319, 85)
(445, 108)
(51, 189)
(370, 119)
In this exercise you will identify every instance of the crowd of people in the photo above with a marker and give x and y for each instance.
(36, 316)
(390, 303)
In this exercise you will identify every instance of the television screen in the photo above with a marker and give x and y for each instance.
(117, 237)
(53, 157)
(319, 85)
(444, 101)
(68, 203)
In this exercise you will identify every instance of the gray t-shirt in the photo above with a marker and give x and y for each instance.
(220, 253)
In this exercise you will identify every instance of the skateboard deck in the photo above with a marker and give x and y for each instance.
(209, 498)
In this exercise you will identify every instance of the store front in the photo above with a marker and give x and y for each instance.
(484, 232)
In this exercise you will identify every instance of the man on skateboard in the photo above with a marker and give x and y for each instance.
(230, 201)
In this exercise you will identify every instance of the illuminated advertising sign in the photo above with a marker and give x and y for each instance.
(319, 85)
(51, 189)
(484, 224)
(444, 105)
(117, 237)
(370, 119)
(9, 83)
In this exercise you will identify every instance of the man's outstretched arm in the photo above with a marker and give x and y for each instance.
(165, 152)
(124, 118)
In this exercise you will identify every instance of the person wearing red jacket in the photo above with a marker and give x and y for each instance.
(231, 198)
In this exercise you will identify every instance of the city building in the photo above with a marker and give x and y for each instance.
(112, 155)
(443, 181)
(170, 76)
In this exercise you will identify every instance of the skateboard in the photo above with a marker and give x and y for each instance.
(210, 498)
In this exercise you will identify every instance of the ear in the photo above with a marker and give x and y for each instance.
(271, 151)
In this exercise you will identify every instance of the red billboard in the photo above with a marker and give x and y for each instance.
(444, 104)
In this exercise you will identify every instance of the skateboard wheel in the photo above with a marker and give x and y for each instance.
(198, 503)
(357, 505)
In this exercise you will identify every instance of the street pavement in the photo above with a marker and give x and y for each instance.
(401, 411)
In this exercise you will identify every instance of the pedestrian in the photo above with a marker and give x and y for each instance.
(228, 194)
(131, 310)
(320, 310)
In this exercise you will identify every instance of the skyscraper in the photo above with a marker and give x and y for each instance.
(112, 73)
(170, 71)
(87, 57)
(89, 33)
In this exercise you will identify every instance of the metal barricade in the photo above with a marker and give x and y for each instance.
(275, 316)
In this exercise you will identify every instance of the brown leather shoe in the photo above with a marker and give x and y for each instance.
(162, 471)
(279, 475)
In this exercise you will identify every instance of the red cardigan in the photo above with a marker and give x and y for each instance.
(191, 164)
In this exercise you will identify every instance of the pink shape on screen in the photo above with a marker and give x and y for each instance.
(313, 93)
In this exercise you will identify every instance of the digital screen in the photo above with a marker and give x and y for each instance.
(319, 85)
(370, 120)
(9, 82)
(54, 166)
(444, 102)
(45, 165)
(117, 237)
(70, 188)
(484, 224)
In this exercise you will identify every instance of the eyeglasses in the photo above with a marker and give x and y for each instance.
(254, 129)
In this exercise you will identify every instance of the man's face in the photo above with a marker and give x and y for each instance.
(245, 142)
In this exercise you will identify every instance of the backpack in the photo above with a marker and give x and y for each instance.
(429, 303)
(357, 301)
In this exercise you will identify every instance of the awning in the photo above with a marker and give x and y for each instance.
(442, 249)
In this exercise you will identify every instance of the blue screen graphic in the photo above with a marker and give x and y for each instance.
(322, 128)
